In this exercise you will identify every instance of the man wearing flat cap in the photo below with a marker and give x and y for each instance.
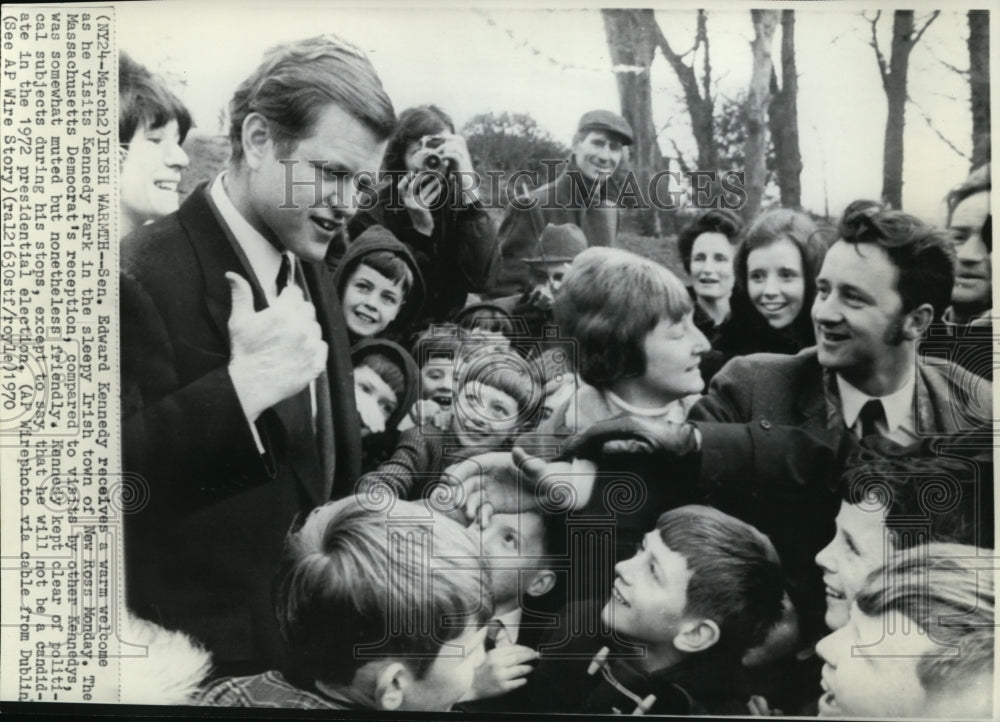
(579, 195)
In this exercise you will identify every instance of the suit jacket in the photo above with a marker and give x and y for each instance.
(775, 458)
(797, 391)
(211, 511)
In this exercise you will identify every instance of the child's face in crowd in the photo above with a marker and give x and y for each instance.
(451, 674)
(437, 379)
(371, 392)
(371, 301)
(858, 548)
(151, 172)
(973, 272)
(549, 277)
(858, 313)
(484, 415)
(712, 266)
(871, 668)
(513, 545)
(649, 596)
(673, 354)
(775, 282)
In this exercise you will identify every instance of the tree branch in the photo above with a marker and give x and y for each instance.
(883, 67)
(938, 133)
(680, 157)
(932, 18)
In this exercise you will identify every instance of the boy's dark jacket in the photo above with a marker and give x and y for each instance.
(702, 684)
(376, 448)
(457, 259)
(373, 239)
(421, 454)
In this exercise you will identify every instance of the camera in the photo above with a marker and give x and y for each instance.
(429, 157)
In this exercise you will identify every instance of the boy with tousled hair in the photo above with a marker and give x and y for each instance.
(702, 589)
(353, 587)
(894, 502)
(919, 641)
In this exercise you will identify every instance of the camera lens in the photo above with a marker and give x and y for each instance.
(432, 161)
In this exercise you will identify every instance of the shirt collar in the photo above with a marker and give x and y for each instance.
(265, 259)
(673, 411)
(511, 623)
(898, 405)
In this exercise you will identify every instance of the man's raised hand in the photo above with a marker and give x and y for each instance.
(274, 353)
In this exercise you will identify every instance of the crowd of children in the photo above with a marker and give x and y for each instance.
(558, 513)
(604, 583)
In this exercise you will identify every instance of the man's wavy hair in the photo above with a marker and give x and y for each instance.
(297, 80)
(922, 254)
(356, 584)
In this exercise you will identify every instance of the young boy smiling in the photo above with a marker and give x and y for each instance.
(918, 640)
(701, 590)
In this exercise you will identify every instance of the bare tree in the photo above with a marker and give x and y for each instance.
(632, 41)
(784, 118)
(894, 73)
(697, 96)
(979, 83)
(765, 22)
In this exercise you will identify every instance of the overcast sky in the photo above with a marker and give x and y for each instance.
(554, 64)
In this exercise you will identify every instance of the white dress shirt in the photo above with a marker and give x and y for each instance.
(900, 422)
(264, 259)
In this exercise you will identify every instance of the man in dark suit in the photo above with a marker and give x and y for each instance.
(238, 400)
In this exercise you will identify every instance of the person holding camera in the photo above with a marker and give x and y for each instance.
(422, 200)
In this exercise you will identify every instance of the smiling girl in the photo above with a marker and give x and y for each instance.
(776, 268)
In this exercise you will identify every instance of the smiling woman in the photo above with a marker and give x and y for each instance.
(152, 125)
(776, 268)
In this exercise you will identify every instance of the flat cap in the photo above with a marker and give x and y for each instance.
(607, 121)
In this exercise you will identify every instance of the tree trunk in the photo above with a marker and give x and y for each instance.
(979, 82)
(700, 104)
(895, 91)
(764, 23)
(632, 41)
(784, 118)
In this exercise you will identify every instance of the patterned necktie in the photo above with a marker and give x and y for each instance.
(871, 413)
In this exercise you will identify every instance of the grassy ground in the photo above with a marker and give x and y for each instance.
(208, 154)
